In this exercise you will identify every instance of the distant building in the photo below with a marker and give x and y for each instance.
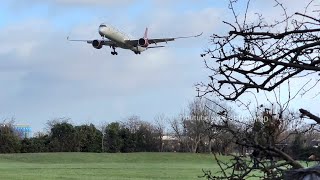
(22, 130)
(170, 143)
(169, 138)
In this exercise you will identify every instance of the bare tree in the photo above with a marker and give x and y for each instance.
(262, 55)
(196, 124)
(266, 136)
(179, 129)
(193, 127)
(102, 127)
(133, 123)
(159, 125)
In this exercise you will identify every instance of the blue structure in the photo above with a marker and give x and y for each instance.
(23, 131)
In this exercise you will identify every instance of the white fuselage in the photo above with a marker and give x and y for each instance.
(118, 38)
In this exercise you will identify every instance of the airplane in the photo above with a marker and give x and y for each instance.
(118, 39)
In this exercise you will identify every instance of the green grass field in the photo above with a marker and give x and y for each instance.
(104, 166)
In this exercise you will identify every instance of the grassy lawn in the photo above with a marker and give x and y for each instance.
(104, 166)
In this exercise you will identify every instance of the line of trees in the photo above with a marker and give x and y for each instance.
(201, 128)
(185, 133)
(133, 136)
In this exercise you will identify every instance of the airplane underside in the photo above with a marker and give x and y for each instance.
(123, 46)
(114, 52)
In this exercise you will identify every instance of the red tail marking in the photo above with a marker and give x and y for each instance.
(146, 34)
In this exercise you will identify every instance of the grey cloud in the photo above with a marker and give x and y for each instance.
(91, 2)
(62, 3)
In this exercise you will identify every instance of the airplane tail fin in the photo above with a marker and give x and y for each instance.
(146, 34)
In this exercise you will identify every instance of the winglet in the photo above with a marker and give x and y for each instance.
(189, 36)
(146, 33)
(199, 34)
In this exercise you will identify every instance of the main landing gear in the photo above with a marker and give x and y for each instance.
(114, 50)
(137, 52)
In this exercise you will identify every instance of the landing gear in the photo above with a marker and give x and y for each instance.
(137, 50)
(114, 50)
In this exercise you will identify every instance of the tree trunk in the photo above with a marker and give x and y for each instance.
(210, 146)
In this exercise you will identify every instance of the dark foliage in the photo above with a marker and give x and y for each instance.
(9, 141)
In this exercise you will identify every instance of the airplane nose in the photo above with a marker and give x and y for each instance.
(100, 31)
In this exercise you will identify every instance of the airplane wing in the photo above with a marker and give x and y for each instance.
(160, 40)
(150, 47)
(104, 42)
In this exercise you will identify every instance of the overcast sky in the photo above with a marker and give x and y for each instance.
(43, 76)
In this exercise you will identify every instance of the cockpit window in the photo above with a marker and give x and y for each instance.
(102, 25)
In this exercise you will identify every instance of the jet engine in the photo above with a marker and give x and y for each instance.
(143, 42)
(97, 44)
